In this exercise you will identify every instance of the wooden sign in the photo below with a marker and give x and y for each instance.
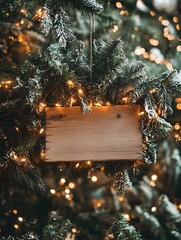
(107, 133)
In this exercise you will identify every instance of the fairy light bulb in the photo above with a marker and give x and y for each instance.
(179, 48)
(119, 5)
(94, 179)
(127, 216)
(41, 130)
(70, 83)
(15, 211)
(177, 126)
(115, 28)
(67, 191)
(71, 185)
(74, 230)
(62, 181)
(20, 219)
(16, 226)
(154, 177)
(52, 191)
(153, 209)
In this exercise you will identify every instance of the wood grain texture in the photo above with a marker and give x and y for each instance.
(107, 133)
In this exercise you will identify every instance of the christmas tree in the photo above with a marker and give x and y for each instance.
(68, 65)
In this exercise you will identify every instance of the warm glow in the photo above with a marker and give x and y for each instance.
(41, 130)
(141, 113)
(178, 106)
(22, 22)
(146, 55)
(94, 178)
(122, 12)
(178, 100)
(177, 126)
(15, 211)
(179, 48)
(153, 209)
(178, 27)
(71, 185)
(179, 206)
(20, 219)
(152, 57)
(98, 104)
(70, 83)
(152, 90)
(99, 204)
(119, 5)
(127, 216)
(152, 13)
(67, 191)
(77, 165)
(80, 91)
(121, 198)
(62, 181)
(152, 184)
(23, 11)
(52, 191)
(169, 66)
(154, 177)
(16, 226)
(165, 22)
(175, 19)
(139, 51)
(115, 28)
(23, 159)
(154, 42)
(58, 105)
(160, 18)
(74, 230)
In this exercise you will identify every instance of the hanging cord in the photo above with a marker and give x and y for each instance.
(91, 30)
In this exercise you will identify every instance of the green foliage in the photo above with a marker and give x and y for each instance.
(121, 230)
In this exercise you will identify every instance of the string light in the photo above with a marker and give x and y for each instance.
(177, 126)
(22, 22)
(52, 191)
(74, 230)
(152, 13)
(165, 22)
(71, 185)
(80, 91)
(99, 204)
(62, 181)
(41, 130)
(139, 51)
(119, 5)
(16, 226)
(20, 219)
(154, 177)
(70, 83)
(179, 48)
(121, 198)
(23, 159)
(67, 191)
(152, 184)
(94, 179)
(77, 165)
(58, 105)
(115, 28)
(141, 113)
(154, 42)
(98, 104)
(15, 211)
(127, 216)
(153, 209)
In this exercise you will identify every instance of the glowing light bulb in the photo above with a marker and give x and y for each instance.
(71, 185)
(62, 181)
(178, 106)
(22, 22)
(179, 48)
(15, 211)
(152, 184)
(52, 191)
(177, 126)
(154, 42)
(67, 191)
(94, 179)
(115, 28)
(141, 113)
(70, 83)
(119, 5)
(127, 216)
(20, 219)
(74, 230)
(153, 209)
(16, 226)
(41, 130)
(154, 177)
(175, 19)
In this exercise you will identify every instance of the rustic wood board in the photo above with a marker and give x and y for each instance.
(107, 133)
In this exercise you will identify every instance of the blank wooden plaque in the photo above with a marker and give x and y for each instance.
(107, 133)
